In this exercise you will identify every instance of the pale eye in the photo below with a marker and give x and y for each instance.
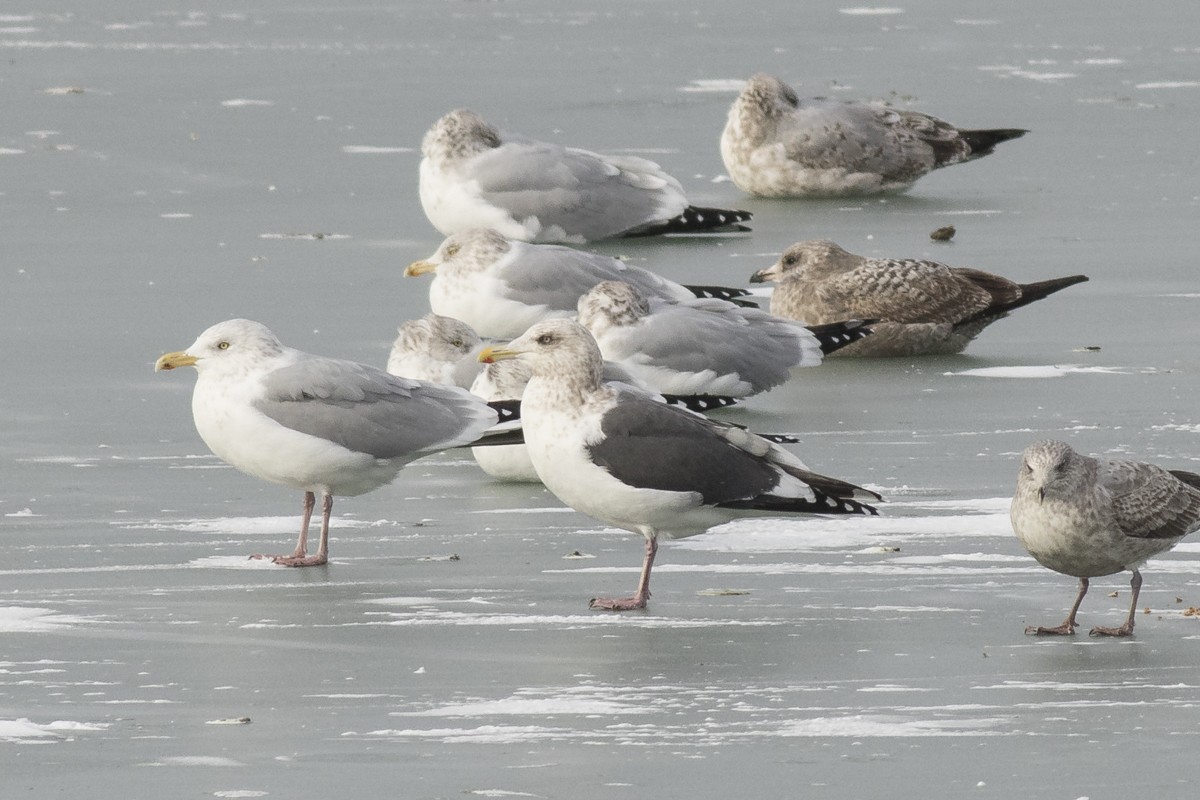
(223, 345)
(456, 343)
(545, 338)
(452, 250)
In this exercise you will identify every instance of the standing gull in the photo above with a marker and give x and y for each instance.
(316, 424)
(705, 347)
(650, 468)
(922, 307)
(500, 286)
(1087, 517)
(778, 145)
(473, 176)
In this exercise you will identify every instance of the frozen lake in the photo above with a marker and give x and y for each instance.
(164, 170)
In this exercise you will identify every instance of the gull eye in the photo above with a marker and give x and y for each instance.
(222, 345)
(456, 342)
(789, 261)
(546, 338)
(452, 250)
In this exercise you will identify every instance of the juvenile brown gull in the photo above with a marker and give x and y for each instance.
(707, 347)
(921, 307)
(320, 425)
(500, 286)
(474, 176)
(650, 468)
(1087, 517)
(776, 144)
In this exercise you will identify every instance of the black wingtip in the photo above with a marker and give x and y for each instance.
(983, 142)
(836, 335)
(733, 295)
(698, 220)
(701, 403)
(508, 410)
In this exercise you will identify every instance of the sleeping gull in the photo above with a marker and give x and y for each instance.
(473, 176)
(647, 467)
(706, 347)
(436, 348)
(500, 286)
(1087, 517)
(316, 424)
(778, 145)
(922, 307)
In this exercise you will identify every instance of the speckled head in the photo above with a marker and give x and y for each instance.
(460, 134)
(613, 303)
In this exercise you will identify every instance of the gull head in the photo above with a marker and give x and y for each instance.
(554, 348)
(807, 261)
(768, 95)
(233, 344)
(611, 303)
(1049, 468)
(443, 338)
(458, 135)
(469, 251)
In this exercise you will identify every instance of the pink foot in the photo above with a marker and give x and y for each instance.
(1124, 630)
(1066, 629)
(618, 603)
(294, 560)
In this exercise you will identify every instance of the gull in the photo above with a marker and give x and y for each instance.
(1087, 516)
(778, 145)
(703, 346)
(501, 286)
(653, 469)
(437, 349)
(319, 425)
(922, 307)
(474, 176)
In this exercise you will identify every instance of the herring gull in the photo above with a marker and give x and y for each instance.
(474, 176)
(500, 286)
(1088, 516)
(319, 425)
(776, 144)
(650, 468)
(703, 346)
(922, 307)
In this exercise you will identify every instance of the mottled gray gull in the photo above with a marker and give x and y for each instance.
(921, 307)
(702, 346)
(437, 349)
(650, 468)
(501, 286)
(316, 424)
(474, 176)
(1087, 517)
(776, 144)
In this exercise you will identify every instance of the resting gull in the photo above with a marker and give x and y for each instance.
(1087, 517)
(473, 176)
(778, 145)
(316, 424)
(703, 347)
(647, 467)
(500, 286)
(922, 307)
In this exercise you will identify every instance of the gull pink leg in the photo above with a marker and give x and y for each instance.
(1135, 584)
(298, 558)
(643, 591)
(1068, 626)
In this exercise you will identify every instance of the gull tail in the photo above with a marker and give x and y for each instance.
(983, 142)
(836, 335)
(697, 220)
(1029, 293)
